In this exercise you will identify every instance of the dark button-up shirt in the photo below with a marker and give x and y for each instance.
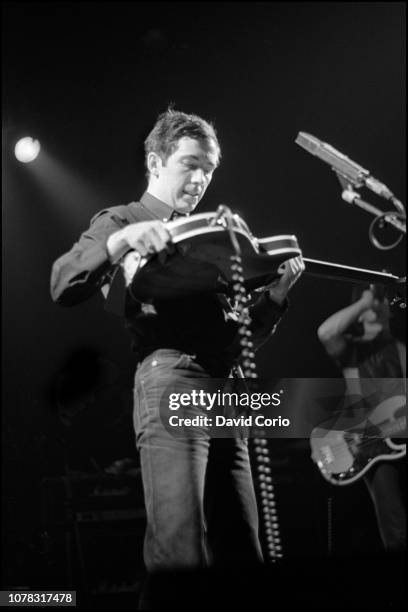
(199, 325)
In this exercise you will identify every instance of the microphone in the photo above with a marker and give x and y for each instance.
(342, 165)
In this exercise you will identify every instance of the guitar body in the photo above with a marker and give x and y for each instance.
(201, 261)
(345, 448)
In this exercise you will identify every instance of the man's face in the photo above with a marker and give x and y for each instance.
(182, 179)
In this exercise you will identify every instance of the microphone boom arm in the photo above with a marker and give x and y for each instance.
(397, 220)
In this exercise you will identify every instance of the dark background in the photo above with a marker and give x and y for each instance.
(88, 80)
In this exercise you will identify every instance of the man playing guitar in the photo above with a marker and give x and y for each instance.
(199, 495)
(358, 338)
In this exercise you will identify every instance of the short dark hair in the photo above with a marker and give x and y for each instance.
(173, 125)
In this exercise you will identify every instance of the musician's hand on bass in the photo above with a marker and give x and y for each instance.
(291, 271)
(146, 237)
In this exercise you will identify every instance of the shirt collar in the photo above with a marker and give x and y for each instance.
(159, 209)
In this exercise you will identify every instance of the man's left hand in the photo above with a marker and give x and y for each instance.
(290, 271)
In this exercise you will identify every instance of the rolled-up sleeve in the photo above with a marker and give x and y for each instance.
(80, 273)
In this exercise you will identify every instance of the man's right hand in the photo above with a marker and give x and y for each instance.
(146, 237)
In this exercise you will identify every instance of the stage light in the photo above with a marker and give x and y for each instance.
(26, 149)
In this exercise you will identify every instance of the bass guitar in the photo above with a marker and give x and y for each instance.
(344, 448)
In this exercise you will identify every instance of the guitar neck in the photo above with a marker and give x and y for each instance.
(326, 269)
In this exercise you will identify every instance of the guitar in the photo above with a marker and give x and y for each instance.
(201, 262)
(345, 448)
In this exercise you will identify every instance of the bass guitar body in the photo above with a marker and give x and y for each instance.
(344, 449)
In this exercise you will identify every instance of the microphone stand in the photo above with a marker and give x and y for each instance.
(352, 197)
(397, 220)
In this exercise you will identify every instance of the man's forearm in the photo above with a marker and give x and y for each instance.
(117, 245)
(339, 322)
(78, 274)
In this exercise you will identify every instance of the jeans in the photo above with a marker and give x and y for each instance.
(199, 495)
